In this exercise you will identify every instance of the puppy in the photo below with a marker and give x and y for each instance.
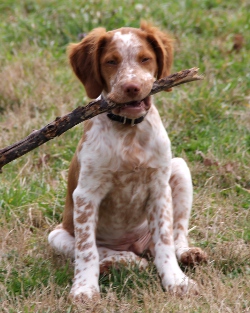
(126, 195)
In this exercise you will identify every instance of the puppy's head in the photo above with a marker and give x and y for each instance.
(122, 65)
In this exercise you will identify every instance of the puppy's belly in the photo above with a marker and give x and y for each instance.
(122, 223)
(136, 241)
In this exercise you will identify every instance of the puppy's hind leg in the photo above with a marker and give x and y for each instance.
(62, 242)
(182, 197)
(109, 258)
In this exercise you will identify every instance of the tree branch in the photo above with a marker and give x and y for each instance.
(80, 114)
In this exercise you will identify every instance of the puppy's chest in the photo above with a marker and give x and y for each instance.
(130, 188)
(135, 153)
(127, 199)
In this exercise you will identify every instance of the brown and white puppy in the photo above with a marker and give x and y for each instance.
(126, 195)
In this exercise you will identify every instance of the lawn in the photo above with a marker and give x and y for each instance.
(208, 123)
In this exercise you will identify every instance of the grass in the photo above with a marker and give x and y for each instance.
(208, 124)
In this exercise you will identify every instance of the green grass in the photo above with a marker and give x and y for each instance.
(208, 123)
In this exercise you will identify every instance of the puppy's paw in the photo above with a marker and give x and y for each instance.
(186, 288)
(177, 283)
(128, 259)
(143, 264)
(193, 256)
(83, 294)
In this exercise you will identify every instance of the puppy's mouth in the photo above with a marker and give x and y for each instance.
(134, 109)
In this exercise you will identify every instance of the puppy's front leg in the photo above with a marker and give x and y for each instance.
(160, 218)
(87, 199)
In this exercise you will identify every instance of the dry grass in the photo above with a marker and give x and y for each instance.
(224, 286)
(212, 118)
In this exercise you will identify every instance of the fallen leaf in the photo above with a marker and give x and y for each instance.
(238, 43)
(208, 162)
(229, 167)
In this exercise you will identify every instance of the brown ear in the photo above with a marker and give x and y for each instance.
(162, 44)
(84, 58)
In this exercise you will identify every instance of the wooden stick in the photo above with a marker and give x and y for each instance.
(80, 114)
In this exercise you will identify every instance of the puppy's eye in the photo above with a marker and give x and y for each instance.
(111, 62)
(145, 60)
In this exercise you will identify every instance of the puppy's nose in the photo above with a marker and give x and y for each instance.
(131, 89)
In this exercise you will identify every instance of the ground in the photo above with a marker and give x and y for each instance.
(208, 123)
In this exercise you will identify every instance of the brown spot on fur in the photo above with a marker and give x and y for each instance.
(82, 247)
(105, 266)
(87, 246)
(88, 257)
(85, 236)
(179, 226)
(88, 125)
(81, 241)
(162, 211)
(180, 215)
(160, 224)
(80, 202)
(89, 207)
(154, 209)
(84, 216)
(79, 231)
(82, 140)
(77, 272)
(151, 217)
(167, 218)
(165, 239)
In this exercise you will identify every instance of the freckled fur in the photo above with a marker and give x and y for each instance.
(126, 195)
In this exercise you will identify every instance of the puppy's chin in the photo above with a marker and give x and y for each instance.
(134, 109)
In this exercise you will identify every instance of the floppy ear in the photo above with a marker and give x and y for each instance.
(84, 58)
(162, 44)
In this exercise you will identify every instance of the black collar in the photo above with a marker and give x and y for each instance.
(125, 120)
